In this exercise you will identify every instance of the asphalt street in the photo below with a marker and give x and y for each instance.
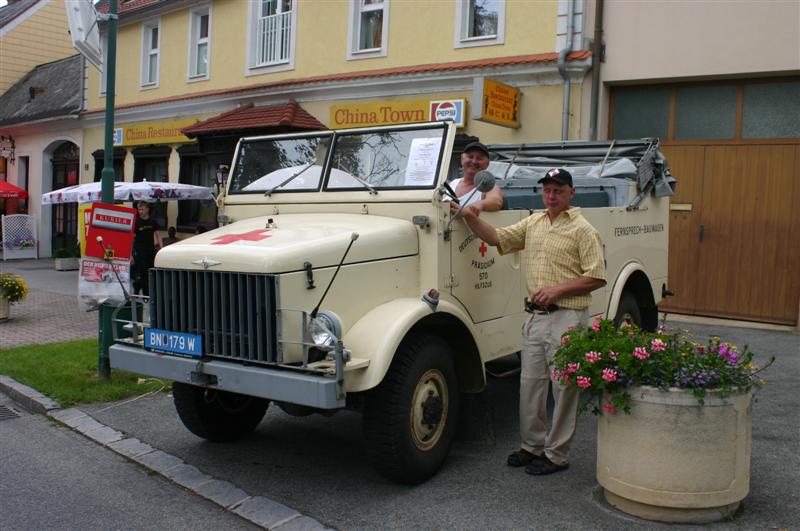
(54, 478)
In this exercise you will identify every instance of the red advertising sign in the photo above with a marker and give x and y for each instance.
(114, 225)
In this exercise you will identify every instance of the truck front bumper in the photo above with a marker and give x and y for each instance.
(273, 384)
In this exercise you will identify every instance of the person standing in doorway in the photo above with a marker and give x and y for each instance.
(563, 264)
(146, 241)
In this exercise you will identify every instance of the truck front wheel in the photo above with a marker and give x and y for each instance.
(410, 418)
(628, 311)
(218, 416)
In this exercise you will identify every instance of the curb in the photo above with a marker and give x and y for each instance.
(259, 510)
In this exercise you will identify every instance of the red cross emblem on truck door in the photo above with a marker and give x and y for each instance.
(483, 248)
(252, 236)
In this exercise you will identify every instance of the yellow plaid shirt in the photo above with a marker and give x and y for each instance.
(554, 253)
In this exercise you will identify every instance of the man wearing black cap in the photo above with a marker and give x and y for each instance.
(475, 158)
(563, 263)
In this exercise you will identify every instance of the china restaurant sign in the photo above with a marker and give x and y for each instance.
(397, 112)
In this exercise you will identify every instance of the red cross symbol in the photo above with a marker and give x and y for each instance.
(252, 236)
(483, 248)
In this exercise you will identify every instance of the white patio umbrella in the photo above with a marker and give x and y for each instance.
(149, 192)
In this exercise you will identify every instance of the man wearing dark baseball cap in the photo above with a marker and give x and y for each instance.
(557, 175)
(562, 257)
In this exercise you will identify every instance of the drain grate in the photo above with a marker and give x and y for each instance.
(7, 413)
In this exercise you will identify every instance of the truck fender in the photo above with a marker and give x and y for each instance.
(631, 269)
(377, 335)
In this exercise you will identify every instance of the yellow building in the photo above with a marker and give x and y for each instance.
(32, 32)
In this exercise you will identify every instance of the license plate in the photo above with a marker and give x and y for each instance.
(176, 342)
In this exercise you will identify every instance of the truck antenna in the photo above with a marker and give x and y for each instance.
(353, 238)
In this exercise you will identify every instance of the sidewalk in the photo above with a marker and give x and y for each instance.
(50, 312)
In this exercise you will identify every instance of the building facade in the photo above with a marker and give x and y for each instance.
(719, 84)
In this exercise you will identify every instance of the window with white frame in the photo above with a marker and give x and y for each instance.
(199, 43)
(151, 45)
(272, 33)
(480, 22)
(369, 22)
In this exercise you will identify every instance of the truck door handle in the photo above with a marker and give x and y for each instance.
(702, 231)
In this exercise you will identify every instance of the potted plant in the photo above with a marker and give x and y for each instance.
(67, 258)
(674, 433)
(13, 288)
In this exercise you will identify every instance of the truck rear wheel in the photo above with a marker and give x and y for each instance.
(410, 418)
(628, 310)
(215, 415)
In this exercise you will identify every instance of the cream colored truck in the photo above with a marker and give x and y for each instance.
(419, 304)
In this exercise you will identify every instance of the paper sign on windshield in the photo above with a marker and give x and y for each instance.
(422, 160)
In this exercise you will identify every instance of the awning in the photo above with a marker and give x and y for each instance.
(288, 116)
(9, 191)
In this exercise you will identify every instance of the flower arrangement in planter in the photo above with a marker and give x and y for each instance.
(67, 258)
(605, 361)
(682, 451)
(18, 243)
(13, 287)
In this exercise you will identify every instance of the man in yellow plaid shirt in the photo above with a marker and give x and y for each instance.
(563, 261)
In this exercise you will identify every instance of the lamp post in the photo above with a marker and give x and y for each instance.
(107, 178)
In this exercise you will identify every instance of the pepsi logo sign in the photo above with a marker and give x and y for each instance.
(451, 110)
(446, 111)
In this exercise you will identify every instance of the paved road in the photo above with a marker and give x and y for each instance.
(53, 478)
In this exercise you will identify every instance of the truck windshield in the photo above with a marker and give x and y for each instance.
(264, 164)
(400, 158)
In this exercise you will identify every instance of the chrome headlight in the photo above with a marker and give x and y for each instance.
(325, 329)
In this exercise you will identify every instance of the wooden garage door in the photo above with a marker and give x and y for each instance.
(735, 231)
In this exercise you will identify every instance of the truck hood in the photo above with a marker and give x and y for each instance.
(293, 239)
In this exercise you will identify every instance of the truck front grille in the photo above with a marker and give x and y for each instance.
(234, 313)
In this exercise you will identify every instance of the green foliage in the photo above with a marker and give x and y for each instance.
(13, 287)
(605, 361)
(70, 251)
(67, 372)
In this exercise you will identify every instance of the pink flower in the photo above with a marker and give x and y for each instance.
(554, 374)
(609, 375)
(596, 325)
(657, 345)
(613, 355)
(565, 340)
(592, 356)
(609, 408)
(641, 353)
(584, 382)
(573, 367)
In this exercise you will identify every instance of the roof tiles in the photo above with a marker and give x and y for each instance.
(249, 116)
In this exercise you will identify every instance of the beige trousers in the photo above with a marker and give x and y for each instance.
(541, 336)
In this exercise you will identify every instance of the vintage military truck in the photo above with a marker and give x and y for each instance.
(340, 279)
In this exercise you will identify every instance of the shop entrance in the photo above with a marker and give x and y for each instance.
(64, 225)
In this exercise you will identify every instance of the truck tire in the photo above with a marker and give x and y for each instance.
(410, 418)
(218, 416)
(628, 310)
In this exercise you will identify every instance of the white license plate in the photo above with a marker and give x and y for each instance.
(176, 342)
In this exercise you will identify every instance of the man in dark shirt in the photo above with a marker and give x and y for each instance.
(145, 241)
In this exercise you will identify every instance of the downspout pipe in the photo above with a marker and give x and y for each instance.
(562, 69)
(597, 59)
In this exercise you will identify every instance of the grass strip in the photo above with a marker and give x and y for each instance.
(67, 373)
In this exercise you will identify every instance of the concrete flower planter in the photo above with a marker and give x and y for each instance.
(673, 460)
(67, 264)
(5, 309)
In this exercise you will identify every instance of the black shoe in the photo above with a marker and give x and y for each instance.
(543, 467)
(522, 457)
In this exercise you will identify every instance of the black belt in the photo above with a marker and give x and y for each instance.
(535, 308)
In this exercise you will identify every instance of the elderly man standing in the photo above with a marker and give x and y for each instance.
(563, 261)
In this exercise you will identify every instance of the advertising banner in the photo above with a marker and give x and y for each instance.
(114, 224)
